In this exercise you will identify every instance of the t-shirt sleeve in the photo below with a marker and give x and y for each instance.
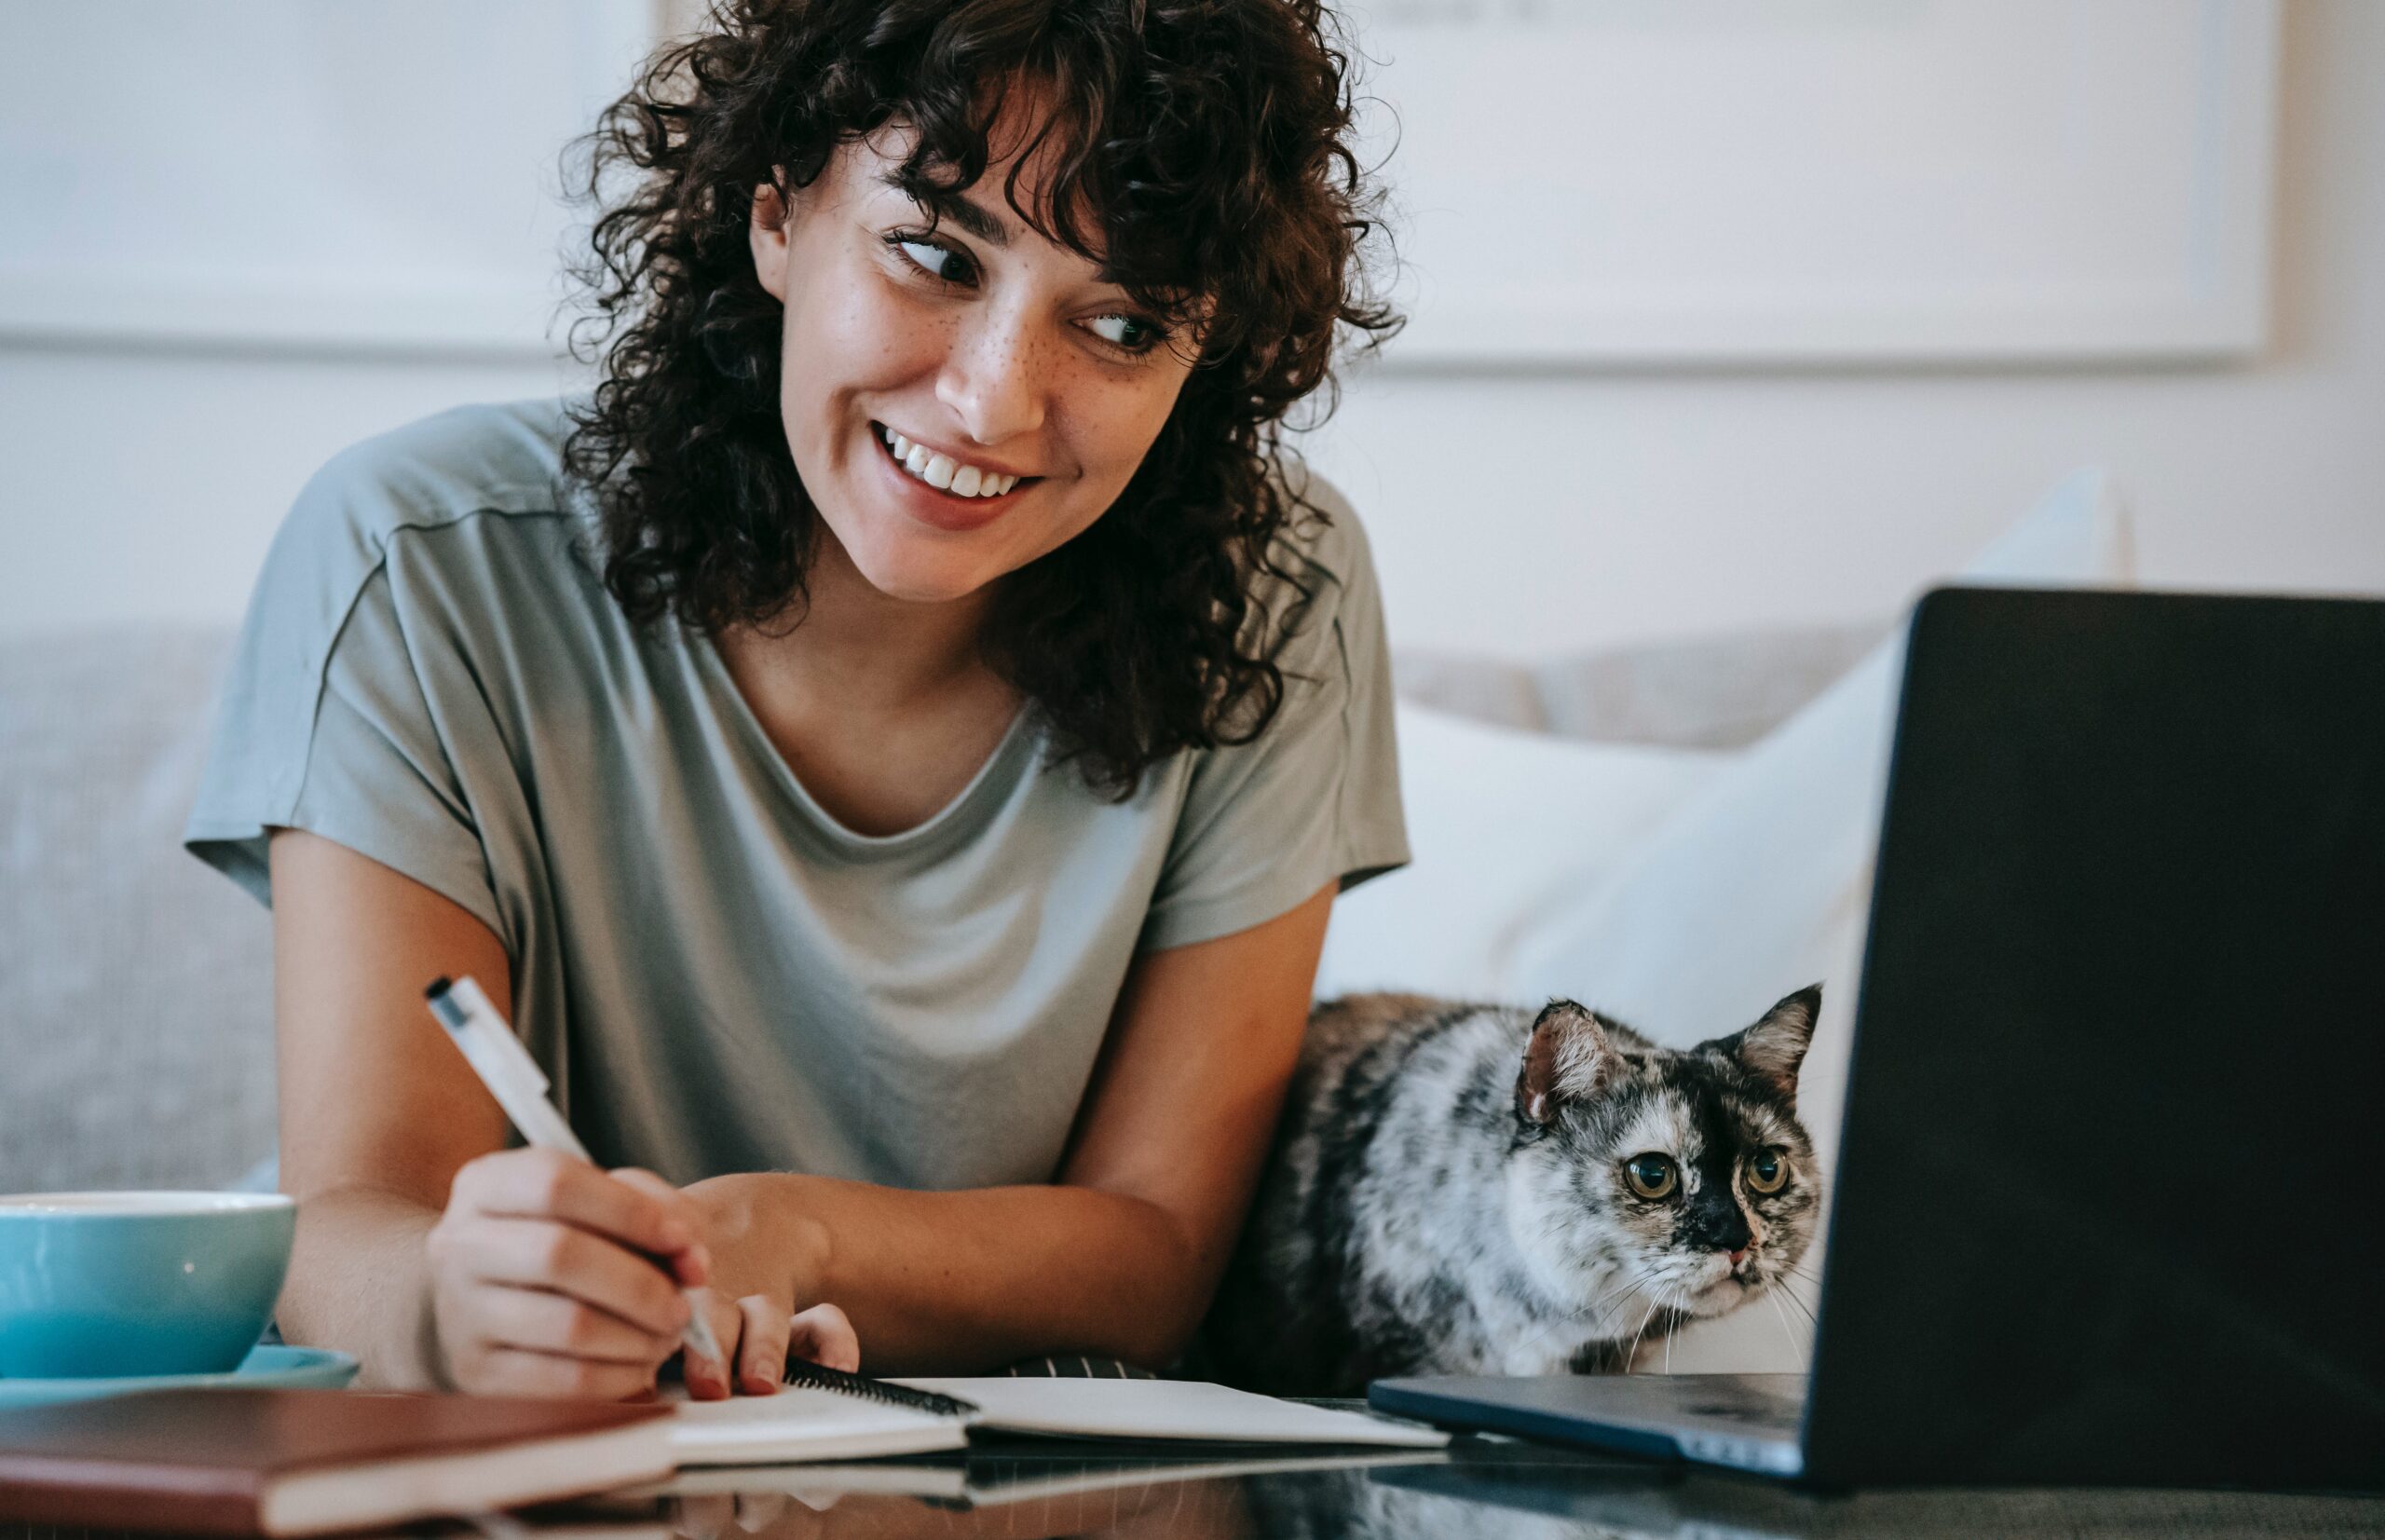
(326, 719)
(1314, 797)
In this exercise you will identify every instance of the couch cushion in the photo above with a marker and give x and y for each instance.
(1708, 692)
(135, 985)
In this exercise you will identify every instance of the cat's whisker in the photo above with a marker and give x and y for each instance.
(1632, 1353)
(1786, 1331)
(1620, 1295)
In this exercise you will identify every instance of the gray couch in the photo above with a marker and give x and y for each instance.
(136, 1045)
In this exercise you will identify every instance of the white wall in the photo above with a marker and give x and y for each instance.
(1516, 514)
(1511, 513)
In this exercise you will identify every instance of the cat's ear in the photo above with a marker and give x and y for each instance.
(1568, 1056)
(1774, 1047)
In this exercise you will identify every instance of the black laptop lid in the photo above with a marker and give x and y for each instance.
(2113, 1172)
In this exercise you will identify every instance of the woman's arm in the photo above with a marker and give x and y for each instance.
(369, 1172)
(437, 1257)
(1121, 1256)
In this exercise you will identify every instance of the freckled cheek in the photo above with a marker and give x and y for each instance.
(894, 344)
(862, 337)
(1117, 424)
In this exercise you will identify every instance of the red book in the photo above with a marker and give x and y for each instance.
(308, 1462)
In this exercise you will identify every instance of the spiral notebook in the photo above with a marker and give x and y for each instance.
(823, 1414)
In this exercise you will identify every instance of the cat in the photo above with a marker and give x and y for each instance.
(1462, 1189)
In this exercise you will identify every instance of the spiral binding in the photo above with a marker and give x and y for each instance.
(821, 1377)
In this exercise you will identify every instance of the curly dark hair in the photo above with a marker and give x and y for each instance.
(1198, 152)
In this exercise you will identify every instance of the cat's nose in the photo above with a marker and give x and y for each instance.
(1740, 1255)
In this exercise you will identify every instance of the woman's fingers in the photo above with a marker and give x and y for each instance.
(545, 1280)
(539, 1321)
(703, 1516)
(822, 1335)
(758, 1510)
(542, 1254)
(761, 1348)
(521, 1372)
(707, 1378)
(636, 1210)
(692, 1263)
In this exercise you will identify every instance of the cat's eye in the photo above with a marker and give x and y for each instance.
(1652, 1176)
(1768, 1172)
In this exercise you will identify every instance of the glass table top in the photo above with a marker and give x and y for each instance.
(1480, 1486)
(1493, 1489)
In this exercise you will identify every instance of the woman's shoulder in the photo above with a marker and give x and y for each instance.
(457, 488)
(500, 456)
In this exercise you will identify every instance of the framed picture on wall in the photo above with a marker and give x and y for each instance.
(1663, 182)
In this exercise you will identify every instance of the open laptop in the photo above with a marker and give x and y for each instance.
(2110, 1198)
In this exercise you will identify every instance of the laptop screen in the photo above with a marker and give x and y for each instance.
(2109, 1203)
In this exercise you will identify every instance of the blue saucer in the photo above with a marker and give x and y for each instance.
(301, 1367)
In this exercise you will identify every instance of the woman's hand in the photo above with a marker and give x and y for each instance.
(551, 1277)
(760, 1336)
(759, 1305)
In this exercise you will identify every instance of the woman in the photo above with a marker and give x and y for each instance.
(895, 745)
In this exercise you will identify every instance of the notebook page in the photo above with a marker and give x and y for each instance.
(1169, 1408)
(802, 1424)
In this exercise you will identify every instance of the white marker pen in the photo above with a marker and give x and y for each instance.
(513, 1078)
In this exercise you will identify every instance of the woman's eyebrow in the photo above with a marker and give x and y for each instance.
(954, 207)
(971, 217)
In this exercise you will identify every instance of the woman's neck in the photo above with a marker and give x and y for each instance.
(883, 709)
(860, 651)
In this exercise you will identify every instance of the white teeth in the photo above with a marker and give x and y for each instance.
(946, 474)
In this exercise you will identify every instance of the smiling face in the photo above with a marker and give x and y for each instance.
(985, 346)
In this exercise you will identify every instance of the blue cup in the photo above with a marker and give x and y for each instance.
(99, 1284)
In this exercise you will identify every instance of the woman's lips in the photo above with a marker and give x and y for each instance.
(943, 509)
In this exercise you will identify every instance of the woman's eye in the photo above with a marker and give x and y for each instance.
(1134, 335)
(1652, 1176)
(931, 258)
(1768, 1172)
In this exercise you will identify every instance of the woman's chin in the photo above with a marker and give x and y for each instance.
(922, 577)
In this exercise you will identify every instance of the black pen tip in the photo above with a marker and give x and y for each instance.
(439, 987)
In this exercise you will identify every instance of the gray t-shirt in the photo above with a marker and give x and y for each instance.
(718, 975)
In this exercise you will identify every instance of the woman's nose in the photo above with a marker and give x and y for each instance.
(994, 377)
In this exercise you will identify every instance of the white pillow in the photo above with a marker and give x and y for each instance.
(1503, 827)
(1760, 884)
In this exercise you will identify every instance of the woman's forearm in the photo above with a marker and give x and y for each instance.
(956, 1281)
(360, 1282)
